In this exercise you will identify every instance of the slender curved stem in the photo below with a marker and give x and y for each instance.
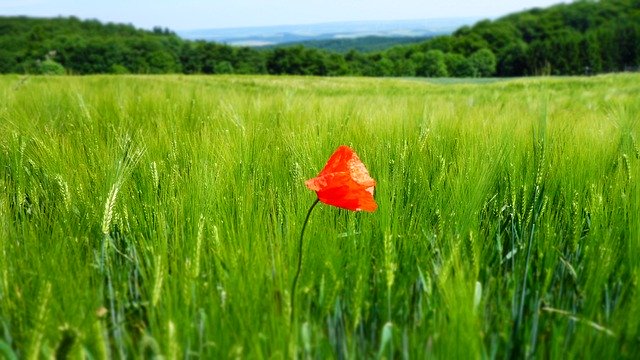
(295, 278)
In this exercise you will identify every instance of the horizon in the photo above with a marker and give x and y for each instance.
(201, 15)
(331, 23)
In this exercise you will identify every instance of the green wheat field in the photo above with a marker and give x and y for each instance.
(159, 216)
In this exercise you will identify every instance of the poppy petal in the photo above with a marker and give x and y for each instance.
(345, 182)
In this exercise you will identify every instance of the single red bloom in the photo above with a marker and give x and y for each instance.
(345, 182)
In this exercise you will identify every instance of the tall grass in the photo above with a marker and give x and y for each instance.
(144, 216)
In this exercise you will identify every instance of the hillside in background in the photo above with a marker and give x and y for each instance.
(287, 34)
(584, 37)
(86, 46)
(364, 44)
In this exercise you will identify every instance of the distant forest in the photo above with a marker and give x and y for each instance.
(365, 44)
(583, 37)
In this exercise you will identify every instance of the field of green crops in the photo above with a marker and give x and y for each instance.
(146, 216)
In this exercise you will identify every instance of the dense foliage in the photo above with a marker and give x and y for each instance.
(367, 44)
(584, 37)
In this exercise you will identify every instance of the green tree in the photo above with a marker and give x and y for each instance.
(191, 57)
(370, 64)
(442, 43)
(458, 65)
(498, 35)
(383, 67)
(161, 62)
(483, 62)
(432, 64)
(357, 63)
(512, 61)
(609, 49)
(223, 67)
(209, 54)
(627, 36)
(467, 45)
(249, 61)
(564, 53)
(337, 65)
(400, 56)
(297, 60)
(404, 67)
(50, 67)
(8, 63)
(590, 54)
(539, 55)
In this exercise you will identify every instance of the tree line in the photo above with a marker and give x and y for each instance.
(583, 37)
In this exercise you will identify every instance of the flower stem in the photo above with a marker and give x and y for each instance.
(295, 278)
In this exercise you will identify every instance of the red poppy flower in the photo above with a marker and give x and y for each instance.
(345, 182)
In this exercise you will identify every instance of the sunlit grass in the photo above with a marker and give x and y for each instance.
(146, 215)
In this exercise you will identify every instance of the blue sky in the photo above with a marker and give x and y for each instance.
(200, 14)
